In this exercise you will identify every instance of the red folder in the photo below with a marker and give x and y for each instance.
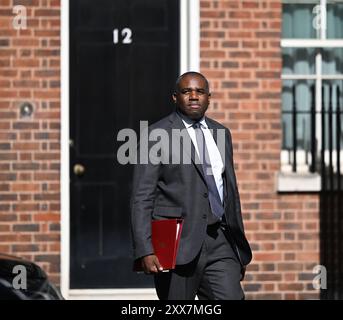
(165, 237)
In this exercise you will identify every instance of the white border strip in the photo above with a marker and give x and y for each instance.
(194, 35)
(64, 176)
(183, 36)
(189, 35)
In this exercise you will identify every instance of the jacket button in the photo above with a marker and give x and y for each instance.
(204, 216)
(205, 195)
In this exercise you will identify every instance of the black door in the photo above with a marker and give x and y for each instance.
(124, 59)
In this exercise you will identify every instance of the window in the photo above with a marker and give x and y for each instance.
(312, 74)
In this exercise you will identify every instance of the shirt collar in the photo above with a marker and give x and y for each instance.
(188, 122)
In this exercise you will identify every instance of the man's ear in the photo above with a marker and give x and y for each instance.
(209, 97)
(174, 97)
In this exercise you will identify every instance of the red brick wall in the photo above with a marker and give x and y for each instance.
(241, 56)
(30, 147)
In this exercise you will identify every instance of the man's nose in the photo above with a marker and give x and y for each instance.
(193, 95)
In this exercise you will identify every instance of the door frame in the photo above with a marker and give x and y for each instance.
(189, 60)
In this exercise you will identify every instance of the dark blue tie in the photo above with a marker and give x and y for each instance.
(213, 194)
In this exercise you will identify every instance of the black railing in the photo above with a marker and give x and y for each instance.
(329, 115)
(329, 167)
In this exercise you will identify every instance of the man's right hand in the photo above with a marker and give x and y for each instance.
(151, 264)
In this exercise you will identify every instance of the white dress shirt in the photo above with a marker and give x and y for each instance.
(214, 154)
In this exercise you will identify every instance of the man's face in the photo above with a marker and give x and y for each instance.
(192, 96)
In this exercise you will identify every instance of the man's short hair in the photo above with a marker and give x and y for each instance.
(190, 73)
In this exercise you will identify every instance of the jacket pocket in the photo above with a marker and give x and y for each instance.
(167, 212)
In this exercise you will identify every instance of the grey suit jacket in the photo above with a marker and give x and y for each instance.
(162, 190)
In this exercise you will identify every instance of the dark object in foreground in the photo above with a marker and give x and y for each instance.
(24, 280)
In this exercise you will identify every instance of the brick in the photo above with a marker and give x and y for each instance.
(8, 217)
(26, 84)
(258, 256)
(306, 276)
(212, 34)
(48, 94)
(8, 238)
(26, 166)
(252, 287)
(268, 34)
(46, 176)
(25, 207)
(46, 156)
(47, 217)
(267, 236)
(290, 286)
(268, 277)
(25, 125)
(240, 34)
(268, 267)
(55, 247)
(213, 54)
(289, 226)
(25, 248)
(230, 44)
(47, 196)
(4, 42)
(213, 14)
(289, 266)
(4, 248)
(240, 54)
(54, 227)
(4, 228)
(46, 12)
(266, 15)
(8, 197)
(239, 15)
(309, 296)
(46, 73)
(25, 217)
(250, 4)
(25, 63)
(290, 246)
(26, 2)
(26, 227)
(46, 237)
(307, 256)
(51, 258)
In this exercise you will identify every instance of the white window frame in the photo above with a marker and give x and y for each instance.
(309, 181)
(189, 60)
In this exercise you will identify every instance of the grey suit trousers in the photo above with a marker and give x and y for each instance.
(214, 274)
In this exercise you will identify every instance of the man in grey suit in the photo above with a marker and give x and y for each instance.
(213, 250)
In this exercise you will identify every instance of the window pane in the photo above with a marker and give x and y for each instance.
(298, 61)
(332, 61)
(303, 102)
(300, 93)
(297, 20)
(335, 21)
